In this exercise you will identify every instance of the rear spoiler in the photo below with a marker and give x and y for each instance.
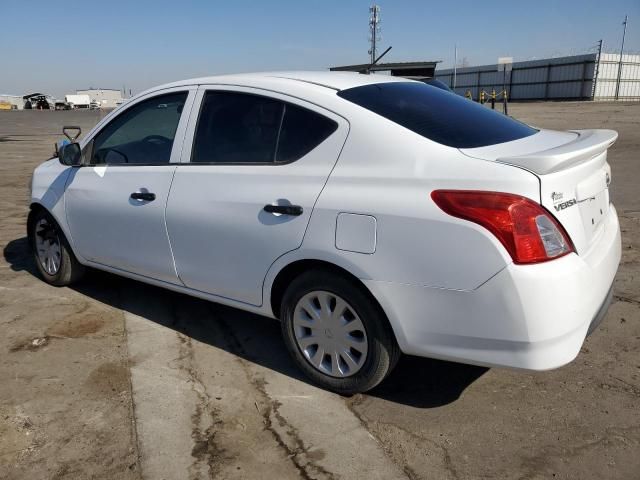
(586, 145)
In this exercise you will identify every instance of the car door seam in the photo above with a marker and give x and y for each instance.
(194, 93)
(262, 302)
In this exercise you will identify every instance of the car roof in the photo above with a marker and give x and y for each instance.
(332, 80)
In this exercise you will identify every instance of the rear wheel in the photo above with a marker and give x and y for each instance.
(52, 254)
(336, 333)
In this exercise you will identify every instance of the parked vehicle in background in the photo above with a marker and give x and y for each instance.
(372, 215)
(62, 106)
(78, 101)
(38, 101)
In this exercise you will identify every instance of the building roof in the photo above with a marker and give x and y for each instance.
(384, 67)
(91, 88)
(415, 70)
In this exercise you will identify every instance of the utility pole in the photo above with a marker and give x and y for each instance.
(624, 32)
(597, 72)
(374, 31)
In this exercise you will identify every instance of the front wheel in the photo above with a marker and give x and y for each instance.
(52, 254)
(336, 333)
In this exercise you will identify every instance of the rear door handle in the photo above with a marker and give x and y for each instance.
(293, 210)
(146, 196)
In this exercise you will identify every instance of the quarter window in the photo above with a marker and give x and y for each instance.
(237, 128)
(142, 134)
(302, 131)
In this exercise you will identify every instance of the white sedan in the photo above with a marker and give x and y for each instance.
(372, 215)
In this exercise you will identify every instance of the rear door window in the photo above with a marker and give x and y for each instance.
(240, 128)
(438, 115)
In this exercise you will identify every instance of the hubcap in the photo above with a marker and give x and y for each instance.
(48, 246)
(330, 334)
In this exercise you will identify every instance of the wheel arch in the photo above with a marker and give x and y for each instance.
(290, 271)
(34, 208)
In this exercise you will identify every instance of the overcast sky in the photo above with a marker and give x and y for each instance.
(58, 47)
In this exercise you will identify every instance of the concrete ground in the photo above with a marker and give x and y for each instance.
(116, 379)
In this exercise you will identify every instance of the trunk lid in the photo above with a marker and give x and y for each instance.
(573, 172)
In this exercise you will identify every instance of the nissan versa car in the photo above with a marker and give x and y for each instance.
(372, 215)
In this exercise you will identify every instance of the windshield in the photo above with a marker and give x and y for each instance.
(438, 115)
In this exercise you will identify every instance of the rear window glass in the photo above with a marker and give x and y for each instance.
(438, 115)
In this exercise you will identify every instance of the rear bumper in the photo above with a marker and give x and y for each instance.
(597, 320)
(533, 317)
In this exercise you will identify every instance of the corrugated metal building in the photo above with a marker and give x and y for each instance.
(579, 77)
(104, 97)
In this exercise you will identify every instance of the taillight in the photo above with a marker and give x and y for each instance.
(528, 231)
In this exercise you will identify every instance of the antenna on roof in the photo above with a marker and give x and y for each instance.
(374, 28)
(367, 70)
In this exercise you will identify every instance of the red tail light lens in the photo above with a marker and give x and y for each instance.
(528, 231)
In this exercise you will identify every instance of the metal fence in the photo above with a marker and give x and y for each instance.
(578, 77)
(607, 79)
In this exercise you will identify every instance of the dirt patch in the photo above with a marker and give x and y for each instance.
(109, 379)
(59, 415)
(17, 436)
(76, 326)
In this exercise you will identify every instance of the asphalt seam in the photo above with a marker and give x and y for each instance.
(307, 469)
(132, 403)
(205, 447)
(621, 298)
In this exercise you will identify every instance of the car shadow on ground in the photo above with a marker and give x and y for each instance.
(417, 382)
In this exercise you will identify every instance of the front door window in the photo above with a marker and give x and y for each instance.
(142, 135)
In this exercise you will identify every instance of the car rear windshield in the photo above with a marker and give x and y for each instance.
(438, 115)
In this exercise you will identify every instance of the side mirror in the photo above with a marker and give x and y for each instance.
(70, 154)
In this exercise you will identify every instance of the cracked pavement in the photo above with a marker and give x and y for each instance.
(116, 379)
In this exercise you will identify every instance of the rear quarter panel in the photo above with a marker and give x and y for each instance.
(389, 172)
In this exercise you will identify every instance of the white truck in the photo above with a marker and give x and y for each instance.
(78, 101)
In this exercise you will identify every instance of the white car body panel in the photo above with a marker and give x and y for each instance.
(223, 242)
(448, 286)
(112, 229)
(392, 181)
(109, 227)
(528, 316)
(48, 185)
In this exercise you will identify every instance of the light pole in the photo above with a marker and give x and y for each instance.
(624, 32)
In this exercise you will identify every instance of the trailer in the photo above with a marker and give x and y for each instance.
(78, 101)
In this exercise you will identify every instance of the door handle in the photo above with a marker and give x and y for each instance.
(146, 196)
(293, 210)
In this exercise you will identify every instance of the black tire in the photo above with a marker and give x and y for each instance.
(70, 270)
(383, 351)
